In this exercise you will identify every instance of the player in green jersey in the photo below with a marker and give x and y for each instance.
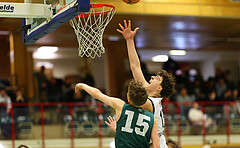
(135, 126)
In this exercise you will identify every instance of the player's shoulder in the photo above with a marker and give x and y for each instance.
(146, 112)
(155, 99)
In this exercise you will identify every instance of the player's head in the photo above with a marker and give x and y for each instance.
(137, 94)
(173, 144)
(163, 84)
(22, 146)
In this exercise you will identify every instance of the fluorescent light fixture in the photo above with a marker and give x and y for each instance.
(47, 49)
(45, 64)
(42, 55)
(140, 41)
(113, 38)
(160, 58)
(179, 25)
(46, 52)
(177, 52)
(4, 32)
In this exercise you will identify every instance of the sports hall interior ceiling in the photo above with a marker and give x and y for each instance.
(156, 32)
(165, 32)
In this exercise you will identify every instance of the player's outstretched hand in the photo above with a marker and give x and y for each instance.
(126, 30)
(111, 123)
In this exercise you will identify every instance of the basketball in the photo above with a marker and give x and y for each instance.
(131, 2)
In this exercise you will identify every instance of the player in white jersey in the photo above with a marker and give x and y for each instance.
(160, 86)
(158, 113)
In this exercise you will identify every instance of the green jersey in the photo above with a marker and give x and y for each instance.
(134, 128)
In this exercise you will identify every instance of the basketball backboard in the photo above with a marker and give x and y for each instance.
(40, 17)
(62, 11)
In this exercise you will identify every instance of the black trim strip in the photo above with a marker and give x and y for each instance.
(153, 106)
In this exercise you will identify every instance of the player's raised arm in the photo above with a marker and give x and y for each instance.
(154, 135)
(115, 103)
(128, 34)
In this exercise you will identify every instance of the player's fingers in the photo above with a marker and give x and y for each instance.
(114, 119)
(120, 31)
(125, 23)
(129, 23)
(135, 30)
(121, 26)
(107, 123)
(111, 118)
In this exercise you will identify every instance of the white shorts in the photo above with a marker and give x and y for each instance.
(162, 142)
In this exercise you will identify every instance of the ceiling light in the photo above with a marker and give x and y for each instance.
(113, 38)
(140, 41)
(4, 32)
(160, 58)
(47, 49)
(42, 55)
(180, 42)
(46, 52)
(177, 52)
(179, 25)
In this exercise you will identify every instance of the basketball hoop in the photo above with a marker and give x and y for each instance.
(89, 28)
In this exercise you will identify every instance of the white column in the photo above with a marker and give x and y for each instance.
(208, 69)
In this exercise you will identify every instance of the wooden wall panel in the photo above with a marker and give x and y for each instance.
(21, 65)
(4, 57)
(118, 70)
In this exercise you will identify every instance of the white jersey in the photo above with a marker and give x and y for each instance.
(158, 113)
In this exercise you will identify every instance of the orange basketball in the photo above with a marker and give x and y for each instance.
(131, 2)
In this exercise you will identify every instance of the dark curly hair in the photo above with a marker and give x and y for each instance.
(173, 144)
(22, 146)
(168, 84)
(137, 93)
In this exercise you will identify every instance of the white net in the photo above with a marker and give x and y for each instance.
(89, 28)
